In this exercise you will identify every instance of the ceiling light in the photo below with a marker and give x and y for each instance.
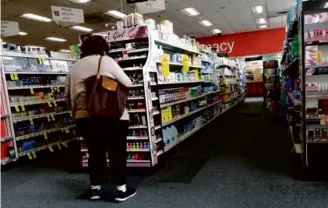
(65, 51)
(55, 39)
(36, 17)
(263, 26)
(206, 23)
(325, 6)
(22, 33)
(216, 31)
(80, 1)
(81, 28)
(190, 11)
(261, 21)
(116, 14)
(7, 58)
(258, 9)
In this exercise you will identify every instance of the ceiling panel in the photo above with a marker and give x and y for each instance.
(230, 16)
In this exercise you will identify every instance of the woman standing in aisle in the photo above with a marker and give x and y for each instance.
(101, 134)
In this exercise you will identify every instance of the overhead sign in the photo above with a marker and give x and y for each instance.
(124, 34)
(247, 43)
(150, 6)
(9, 28)
(66, 16)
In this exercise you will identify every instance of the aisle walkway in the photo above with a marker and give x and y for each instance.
(238, 161)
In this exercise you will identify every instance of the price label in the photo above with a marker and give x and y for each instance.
(70, 113)
(165, 65)
(31, 121)
(12, 76)
(17, 109)
(23, 108)
(59, 146)
(53, 117)
(52, 90)
(58, 90)
(48, 117)
(55, 104)
(41, 61)
(49, 104)
(196, 74)
(31, 90)
(34, 154)
(51, 149)
(45, 136)
(15, 76)
(64, 144)
(67, 130)
(30, 157)
(185, 63)
(62, 129)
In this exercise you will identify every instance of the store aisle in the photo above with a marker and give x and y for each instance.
(240, 160)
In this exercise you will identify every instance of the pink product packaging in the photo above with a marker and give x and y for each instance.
(311, 55)
(311, 86)
(316, 18)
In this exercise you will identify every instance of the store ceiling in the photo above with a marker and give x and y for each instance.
(230, 16)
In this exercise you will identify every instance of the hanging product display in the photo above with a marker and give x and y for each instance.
(271, 88)
(35, 116)
(177, 88)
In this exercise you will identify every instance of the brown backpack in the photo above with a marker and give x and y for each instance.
(105, 96)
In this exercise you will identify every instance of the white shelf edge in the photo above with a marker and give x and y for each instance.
(34, 87)
(36, 102)
(181, 82)
(162, 42)
(22, 55)
(6, 138)
(137, 150)
(21, 154)
(44, 115)
(187, 100)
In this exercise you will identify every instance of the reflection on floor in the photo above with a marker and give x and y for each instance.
(238, 161)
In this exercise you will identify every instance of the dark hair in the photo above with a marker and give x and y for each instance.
(93, 45)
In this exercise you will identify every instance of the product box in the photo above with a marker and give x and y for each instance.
(311, 55)
(324, 134)
(317, 133)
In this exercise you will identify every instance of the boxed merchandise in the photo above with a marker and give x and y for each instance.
(311, 55)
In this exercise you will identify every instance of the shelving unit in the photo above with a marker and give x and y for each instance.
(271, 88)
(191, 87)
(35, 114)
(306, 75)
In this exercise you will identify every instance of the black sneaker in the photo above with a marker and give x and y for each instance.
(95, 194)
(123, 196)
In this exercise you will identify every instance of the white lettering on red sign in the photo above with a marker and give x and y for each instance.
(224, 47)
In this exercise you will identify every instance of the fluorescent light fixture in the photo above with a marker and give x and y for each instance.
(263, 26)
(36, 17)
(81, 28)
(64, 51)
(325, 6)
(216, 31)
(206, 23)
(116, 14)
(190, 11)
(7, 58)
(258, 9)
(261, 21)
(80, 1)
(55, 39)
(22, 33)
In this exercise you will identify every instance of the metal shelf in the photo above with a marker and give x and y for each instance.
(174, 47)
(37, 72)
(34, 87)
(189, 114)
(36, 102)
(44, 115)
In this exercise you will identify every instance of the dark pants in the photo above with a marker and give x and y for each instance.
(105, 134)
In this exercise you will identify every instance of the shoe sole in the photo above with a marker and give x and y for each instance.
(95, 198)
(126, 198)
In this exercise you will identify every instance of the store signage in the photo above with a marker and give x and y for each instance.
(125, 34)
(67, 16)
(150, 6)
(9, 28)
(247, 43)
(225, 47)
